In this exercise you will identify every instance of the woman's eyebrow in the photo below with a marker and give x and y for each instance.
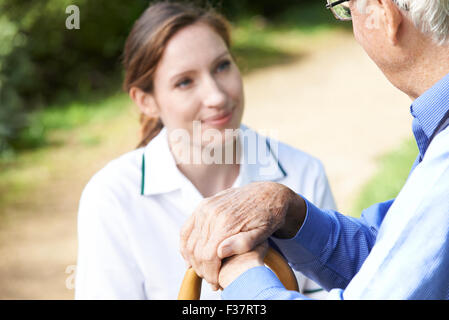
(221, 56)
(180, 74)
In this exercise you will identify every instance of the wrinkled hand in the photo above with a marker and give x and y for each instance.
(235, 221)
(236, 265)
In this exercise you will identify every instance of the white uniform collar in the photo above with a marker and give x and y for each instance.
(161, 175)
(159, 171)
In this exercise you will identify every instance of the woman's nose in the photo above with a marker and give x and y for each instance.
(213, 95)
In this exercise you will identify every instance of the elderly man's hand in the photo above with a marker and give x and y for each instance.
(236, 265)
(237, 220)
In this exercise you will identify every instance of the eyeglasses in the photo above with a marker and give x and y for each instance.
(340, 9)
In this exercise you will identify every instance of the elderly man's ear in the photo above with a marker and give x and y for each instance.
(145, 101)
(393, 20)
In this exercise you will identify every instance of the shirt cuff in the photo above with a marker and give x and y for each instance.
(310, 241)
(259, 283)
(252, 284)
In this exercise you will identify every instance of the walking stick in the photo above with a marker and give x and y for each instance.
(191, 284)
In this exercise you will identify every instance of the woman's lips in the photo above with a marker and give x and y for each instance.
(219, 120)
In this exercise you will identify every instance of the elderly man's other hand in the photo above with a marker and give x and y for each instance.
(236, 265)
(237, 220)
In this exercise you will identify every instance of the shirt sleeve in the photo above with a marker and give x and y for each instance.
(105, 268)
(323, 198)
(330, 247)
(303, 253)
(259, 283)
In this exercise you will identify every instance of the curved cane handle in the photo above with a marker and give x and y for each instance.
(191, 285)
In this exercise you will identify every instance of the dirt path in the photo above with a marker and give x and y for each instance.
(336, 105)
(333, 103)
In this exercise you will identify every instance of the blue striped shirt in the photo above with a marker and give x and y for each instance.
(396, 250)
(427, 119)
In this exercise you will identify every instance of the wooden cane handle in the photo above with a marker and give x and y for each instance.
(191, 284)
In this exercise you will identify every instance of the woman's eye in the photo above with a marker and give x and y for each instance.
(183, 83)
(224, 66)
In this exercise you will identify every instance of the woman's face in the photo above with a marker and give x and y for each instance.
(197, 80)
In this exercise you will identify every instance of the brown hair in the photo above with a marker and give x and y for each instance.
(146, 43)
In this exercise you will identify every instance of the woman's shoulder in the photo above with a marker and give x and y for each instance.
(118, 174)
(300, 165)
(290, 156)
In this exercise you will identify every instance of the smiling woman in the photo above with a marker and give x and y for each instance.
(179, 73)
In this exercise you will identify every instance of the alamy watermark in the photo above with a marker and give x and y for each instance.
(70, 280)
(73, 20)
(374, 14)
(231, 146)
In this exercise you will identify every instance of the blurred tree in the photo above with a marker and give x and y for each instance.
(41, 60)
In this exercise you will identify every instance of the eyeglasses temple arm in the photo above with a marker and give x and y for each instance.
(336, 3)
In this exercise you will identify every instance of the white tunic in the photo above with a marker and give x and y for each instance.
(132, 210)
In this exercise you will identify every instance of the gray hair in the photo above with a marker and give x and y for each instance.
(429, 16)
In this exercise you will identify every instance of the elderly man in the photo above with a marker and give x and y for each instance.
(396, 250)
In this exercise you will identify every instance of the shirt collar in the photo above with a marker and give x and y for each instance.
(159, 171)
(259, 162)
(430, 108)
(260, 157)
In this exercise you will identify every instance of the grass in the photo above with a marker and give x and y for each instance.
(394, 169)
(45, 124)
(50, 129)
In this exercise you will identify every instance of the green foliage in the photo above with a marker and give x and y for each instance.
(44, 123)
(267, 8)
(42, 62)
(11, 115)
(394, 169)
